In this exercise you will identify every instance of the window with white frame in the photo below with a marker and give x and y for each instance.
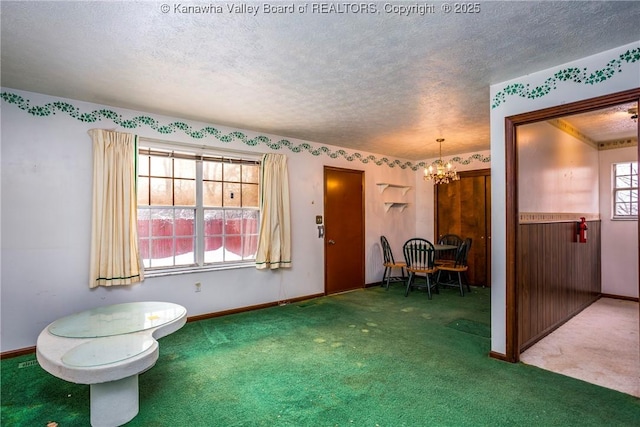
(625, 190)
(196, 210)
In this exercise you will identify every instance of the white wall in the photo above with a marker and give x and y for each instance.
(520, 96)
(557, 172)
(46, 214)
(619, 237)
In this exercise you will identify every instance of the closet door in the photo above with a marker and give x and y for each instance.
(463, 207)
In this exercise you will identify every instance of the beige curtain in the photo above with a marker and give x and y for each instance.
(115, 259)
(274, 243)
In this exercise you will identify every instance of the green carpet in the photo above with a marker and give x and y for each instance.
(471, 327)
(365, 358)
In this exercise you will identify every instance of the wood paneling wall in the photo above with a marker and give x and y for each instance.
(557, 277)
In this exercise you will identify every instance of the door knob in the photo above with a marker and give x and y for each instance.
(332, 242)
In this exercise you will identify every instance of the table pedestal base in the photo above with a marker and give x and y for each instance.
(114, 403)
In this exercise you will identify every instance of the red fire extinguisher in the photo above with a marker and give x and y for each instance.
(582, 230)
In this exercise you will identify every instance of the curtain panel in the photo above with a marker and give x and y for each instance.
(274, 242)
(115, 258)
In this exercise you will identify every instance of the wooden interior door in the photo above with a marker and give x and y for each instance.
(464, 208)
(344, 229)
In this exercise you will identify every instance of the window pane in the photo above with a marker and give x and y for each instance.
(623, 169)
(213, 220)
(231, 172)
(231, 195)
(183, 168)
(250, 195)
(214, 251)
(233, 222)
(213, 243)
(251, 221)
(250, 246)
(143, 191)
(211, 171)
(161, 222)
(185, 251)
(623, 209)
(623, 182)
(250, 173)
(212, 193)
(161, 252)
(184, 192)
(161, 166)
(143, 245)
(144, 221)
(232, 232)
(161, 192)
(185, 222)
(143, 165)
(623, 196)
(233, 248)
(250, 225)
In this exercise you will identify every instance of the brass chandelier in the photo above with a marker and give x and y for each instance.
(443, 173)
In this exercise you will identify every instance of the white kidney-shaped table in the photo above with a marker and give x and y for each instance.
(107, 348)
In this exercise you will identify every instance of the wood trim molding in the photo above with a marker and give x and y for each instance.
(621, 297)
(15, 353)
(547, 217)
(498, 356)
(511, 206)
(570, 130)
(251, 308)
(617, 143)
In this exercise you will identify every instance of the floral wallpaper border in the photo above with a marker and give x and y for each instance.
(571, 74)
(52, 108)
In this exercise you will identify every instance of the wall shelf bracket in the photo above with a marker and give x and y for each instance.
(383, 186)
(400, 205)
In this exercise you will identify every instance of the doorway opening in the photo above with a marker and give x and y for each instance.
(513, 319)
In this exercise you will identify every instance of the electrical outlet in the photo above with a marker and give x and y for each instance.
(198, 286)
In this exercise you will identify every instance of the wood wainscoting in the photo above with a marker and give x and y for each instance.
(557, 276)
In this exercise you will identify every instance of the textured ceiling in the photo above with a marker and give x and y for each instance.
(380, 82)
(607, 124)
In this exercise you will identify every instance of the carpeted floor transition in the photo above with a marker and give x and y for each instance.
(364, 358)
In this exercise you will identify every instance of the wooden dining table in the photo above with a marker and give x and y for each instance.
(439, 247)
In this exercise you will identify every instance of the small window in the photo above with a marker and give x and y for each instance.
(625, 190)
(195, 210)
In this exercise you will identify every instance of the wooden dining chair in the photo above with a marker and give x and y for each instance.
(459, 267)
(419, 255)
(390, 264)
(444, 257)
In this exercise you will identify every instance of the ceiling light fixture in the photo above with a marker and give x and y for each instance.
(443, 174)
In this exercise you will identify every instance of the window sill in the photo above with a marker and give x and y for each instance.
(190, 270)
(630, 218)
